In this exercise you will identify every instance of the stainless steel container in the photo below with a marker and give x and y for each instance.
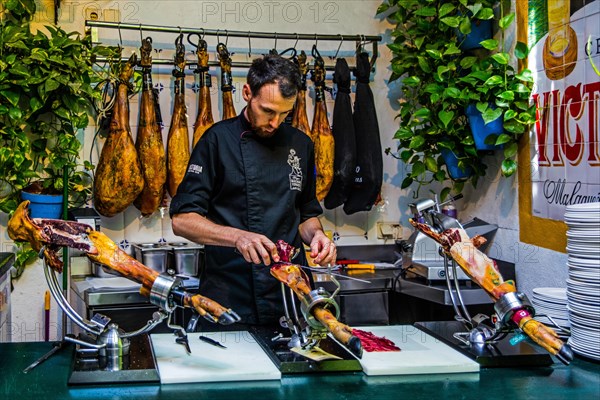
(102, 271)
(186, 258)
(152, 255)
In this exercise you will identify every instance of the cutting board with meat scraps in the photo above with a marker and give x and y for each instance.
(242, 360)
(420, 354)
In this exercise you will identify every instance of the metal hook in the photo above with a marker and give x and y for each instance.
(297, 38)
(340, 45)
(218, 38)
(141, 35)
(249, 46)
(275, 47)
(315, 52)
(120, 38)
(180, 33)
(316, 42)
(226, 37)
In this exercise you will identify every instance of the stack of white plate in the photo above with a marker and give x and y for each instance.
(583, 285)
(551, 306)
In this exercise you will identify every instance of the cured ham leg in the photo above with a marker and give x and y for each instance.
(204, 119)
(226, 82)
(52, 234)
(484, 271)
(299, 116)
(321, 133)
(178, 140)
(292, 276)
(118, 179)
(148, 142)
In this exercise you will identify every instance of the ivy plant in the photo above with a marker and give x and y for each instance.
(47, 81)
(439, 80)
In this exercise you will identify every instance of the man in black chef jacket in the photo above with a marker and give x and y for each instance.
(249, 183)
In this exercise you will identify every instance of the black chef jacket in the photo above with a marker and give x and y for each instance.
(263, 185)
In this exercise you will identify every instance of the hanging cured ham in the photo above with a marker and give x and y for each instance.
(226, 81)
(321, 132)
(204, 119)
(178, 141)
(344, 137)
(299, 116)
(149, 143)
(369, 156)
(118, 179)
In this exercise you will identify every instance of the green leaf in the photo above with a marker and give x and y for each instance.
(506, 20)
(419, 42)
(467, 62)
(446, 9)
(452, 93)
(452, 49)
(423, 64)
(51, 85)
(507, 95)
(525, 75)
(494, 80)
(465, 26)
(446, 117)
(501, 58)
(485, 13)
(452, 22)
(15, 112)
(418, 168)
(11, 96)
(509, 114)
(511, 150)
(411, 80)
(489, 44)
(431, 164)
(426, 12)
(509, 167)
(442, 69)
(491, 115)
(435, 54)
(444, 193)
(422, 113)
(416, 142)
(405, 155)
(521, 50)
(440, 175)
(406, 182)
(503, 138)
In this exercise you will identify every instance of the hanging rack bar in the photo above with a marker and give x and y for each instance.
(221, 32)
(234, 64)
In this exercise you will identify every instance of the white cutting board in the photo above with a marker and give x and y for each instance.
(420, 354)
(242, 360)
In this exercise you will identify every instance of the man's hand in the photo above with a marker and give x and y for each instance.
(256, 248)
(322, 249)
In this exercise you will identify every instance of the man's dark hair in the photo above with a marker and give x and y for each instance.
(273, 68)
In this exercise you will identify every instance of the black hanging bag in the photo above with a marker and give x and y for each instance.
(344, 137)
(368, 174)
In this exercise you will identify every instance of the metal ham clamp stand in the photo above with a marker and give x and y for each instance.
(108, 354)
(317, 341)
(496, 341)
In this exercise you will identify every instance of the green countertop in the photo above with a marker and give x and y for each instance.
(580, 380)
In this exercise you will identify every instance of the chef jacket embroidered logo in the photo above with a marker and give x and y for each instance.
(196, 169)
(296, 175)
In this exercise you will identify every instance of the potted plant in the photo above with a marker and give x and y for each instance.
(46, 95)
(440, 80)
